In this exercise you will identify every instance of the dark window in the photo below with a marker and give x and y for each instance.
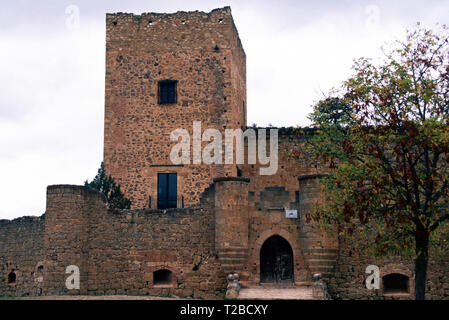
(40, 269)
(12, 278)
(167, 91)
(395, 283)
(166, 190)
(162, 276)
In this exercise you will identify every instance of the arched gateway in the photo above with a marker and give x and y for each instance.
(276, 261)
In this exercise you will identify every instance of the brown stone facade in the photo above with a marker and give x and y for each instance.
(203, 53)
(118, 251)
(22, 256)
(121, 251)
(226, 216)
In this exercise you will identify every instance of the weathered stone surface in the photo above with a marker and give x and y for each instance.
(22, 252)
(144, 49)
(225, 222)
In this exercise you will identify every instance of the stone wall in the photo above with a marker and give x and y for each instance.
(128, 246)
(348, 279)
(118, 251)
(313, 250)
(293, 157)
(69, 215)
(22, 253)
(267, 218)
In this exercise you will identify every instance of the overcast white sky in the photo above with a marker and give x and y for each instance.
(52, 74)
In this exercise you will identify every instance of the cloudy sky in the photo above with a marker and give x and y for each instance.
(52, 73)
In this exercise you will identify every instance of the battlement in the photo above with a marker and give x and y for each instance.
(215, 13)
(212, 30)
(68, 189)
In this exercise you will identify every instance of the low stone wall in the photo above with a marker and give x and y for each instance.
(21, 256)
(119, 251)
(348, 281)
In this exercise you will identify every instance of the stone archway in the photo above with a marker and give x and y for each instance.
(301, 272)
(276, 261)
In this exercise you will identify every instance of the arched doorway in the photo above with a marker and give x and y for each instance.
(276, 261)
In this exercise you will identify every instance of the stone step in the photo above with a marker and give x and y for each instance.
(232, 255)
(265, 293)
(228, 261)
(324, 256)
(235, 249)
(253, 284)
(321, 251)
(276, 285)
(230, 268)
(321, 262)
(232, 265)
(322, 269)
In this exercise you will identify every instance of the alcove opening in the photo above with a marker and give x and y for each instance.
(162, 277)
(395, 283)
(12, 277)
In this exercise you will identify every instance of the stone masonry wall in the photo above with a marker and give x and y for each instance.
(293, 159)
(128, 246)
(69, 213)
(348, 280)
(314, 251)
(117, 251)
(22, 252)
(200, 50)
(267, 218)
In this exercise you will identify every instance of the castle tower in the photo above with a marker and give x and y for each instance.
(67, 225)
(232, 222)
(320, 248)
(163, 72)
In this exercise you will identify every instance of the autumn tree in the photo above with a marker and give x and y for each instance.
(385, 135)
(106, 184)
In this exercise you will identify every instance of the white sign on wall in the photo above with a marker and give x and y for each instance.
(291, 214)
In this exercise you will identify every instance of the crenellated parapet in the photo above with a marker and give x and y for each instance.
(192, 30)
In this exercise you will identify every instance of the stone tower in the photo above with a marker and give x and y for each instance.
(164, 71)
